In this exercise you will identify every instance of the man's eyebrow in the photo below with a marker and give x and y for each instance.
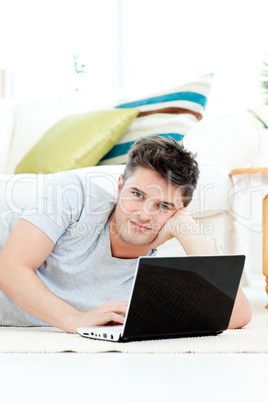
(168, 203)
(133, 188)
(139, 190)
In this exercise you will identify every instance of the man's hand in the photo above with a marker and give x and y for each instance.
(180, 222)
(184, 228)
(102, 315)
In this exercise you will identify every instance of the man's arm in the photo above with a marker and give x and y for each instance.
(241, 314)
(26, 248)
(182, 226)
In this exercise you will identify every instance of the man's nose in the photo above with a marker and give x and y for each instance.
(147, 211)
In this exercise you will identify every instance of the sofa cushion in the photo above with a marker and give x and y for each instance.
(210, 206)
(167, 113)
(212, 195)
(77, 141)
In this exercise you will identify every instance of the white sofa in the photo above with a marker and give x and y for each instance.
(221, 145)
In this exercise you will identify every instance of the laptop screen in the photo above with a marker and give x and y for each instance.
(183, 295)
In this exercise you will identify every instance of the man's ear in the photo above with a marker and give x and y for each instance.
(120, 184)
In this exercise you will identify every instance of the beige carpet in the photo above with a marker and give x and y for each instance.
(251, 339)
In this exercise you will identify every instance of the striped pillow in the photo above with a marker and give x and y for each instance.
(168, 114)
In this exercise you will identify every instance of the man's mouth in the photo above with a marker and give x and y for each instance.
(138, 226)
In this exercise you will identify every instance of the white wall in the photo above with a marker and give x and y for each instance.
(135, 45)
(168, 42)
(36, 38)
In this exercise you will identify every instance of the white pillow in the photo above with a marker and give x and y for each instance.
(232, 141)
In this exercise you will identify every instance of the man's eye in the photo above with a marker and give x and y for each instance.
(164, 207)
(137, 194)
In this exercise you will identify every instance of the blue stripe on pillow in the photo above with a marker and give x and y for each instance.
(122, 149)
(184, 96)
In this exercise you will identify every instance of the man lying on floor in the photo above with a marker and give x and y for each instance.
(69, 259)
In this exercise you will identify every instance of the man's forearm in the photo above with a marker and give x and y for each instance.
(192, 241)
(24, 287)
(26, 248)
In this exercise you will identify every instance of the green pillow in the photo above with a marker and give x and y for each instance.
(77, 141)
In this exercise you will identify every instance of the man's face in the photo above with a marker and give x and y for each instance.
(145, 202)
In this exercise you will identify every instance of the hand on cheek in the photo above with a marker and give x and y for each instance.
(168, 229)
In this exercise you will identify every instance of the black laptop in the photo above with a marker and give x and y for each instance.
(176, 297)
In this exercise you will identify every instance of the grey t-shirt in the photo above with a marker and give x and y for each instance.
(74, 213)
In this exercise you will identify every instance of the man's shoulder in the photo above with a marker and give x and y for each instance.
(91, 196)
(88, 184)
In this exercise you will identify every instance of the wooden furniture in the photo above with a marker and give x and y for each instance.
(264, 172)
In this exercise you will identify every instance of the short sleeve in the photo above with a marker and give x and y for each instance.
(58, 205)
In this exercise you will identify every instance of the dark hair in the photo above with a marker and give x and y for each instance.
(169, 159)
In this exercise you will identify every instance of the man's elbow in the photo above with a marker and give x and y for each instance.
(240, 318)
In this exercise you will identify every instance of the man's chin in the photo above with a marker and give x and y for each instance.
(139, 241)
